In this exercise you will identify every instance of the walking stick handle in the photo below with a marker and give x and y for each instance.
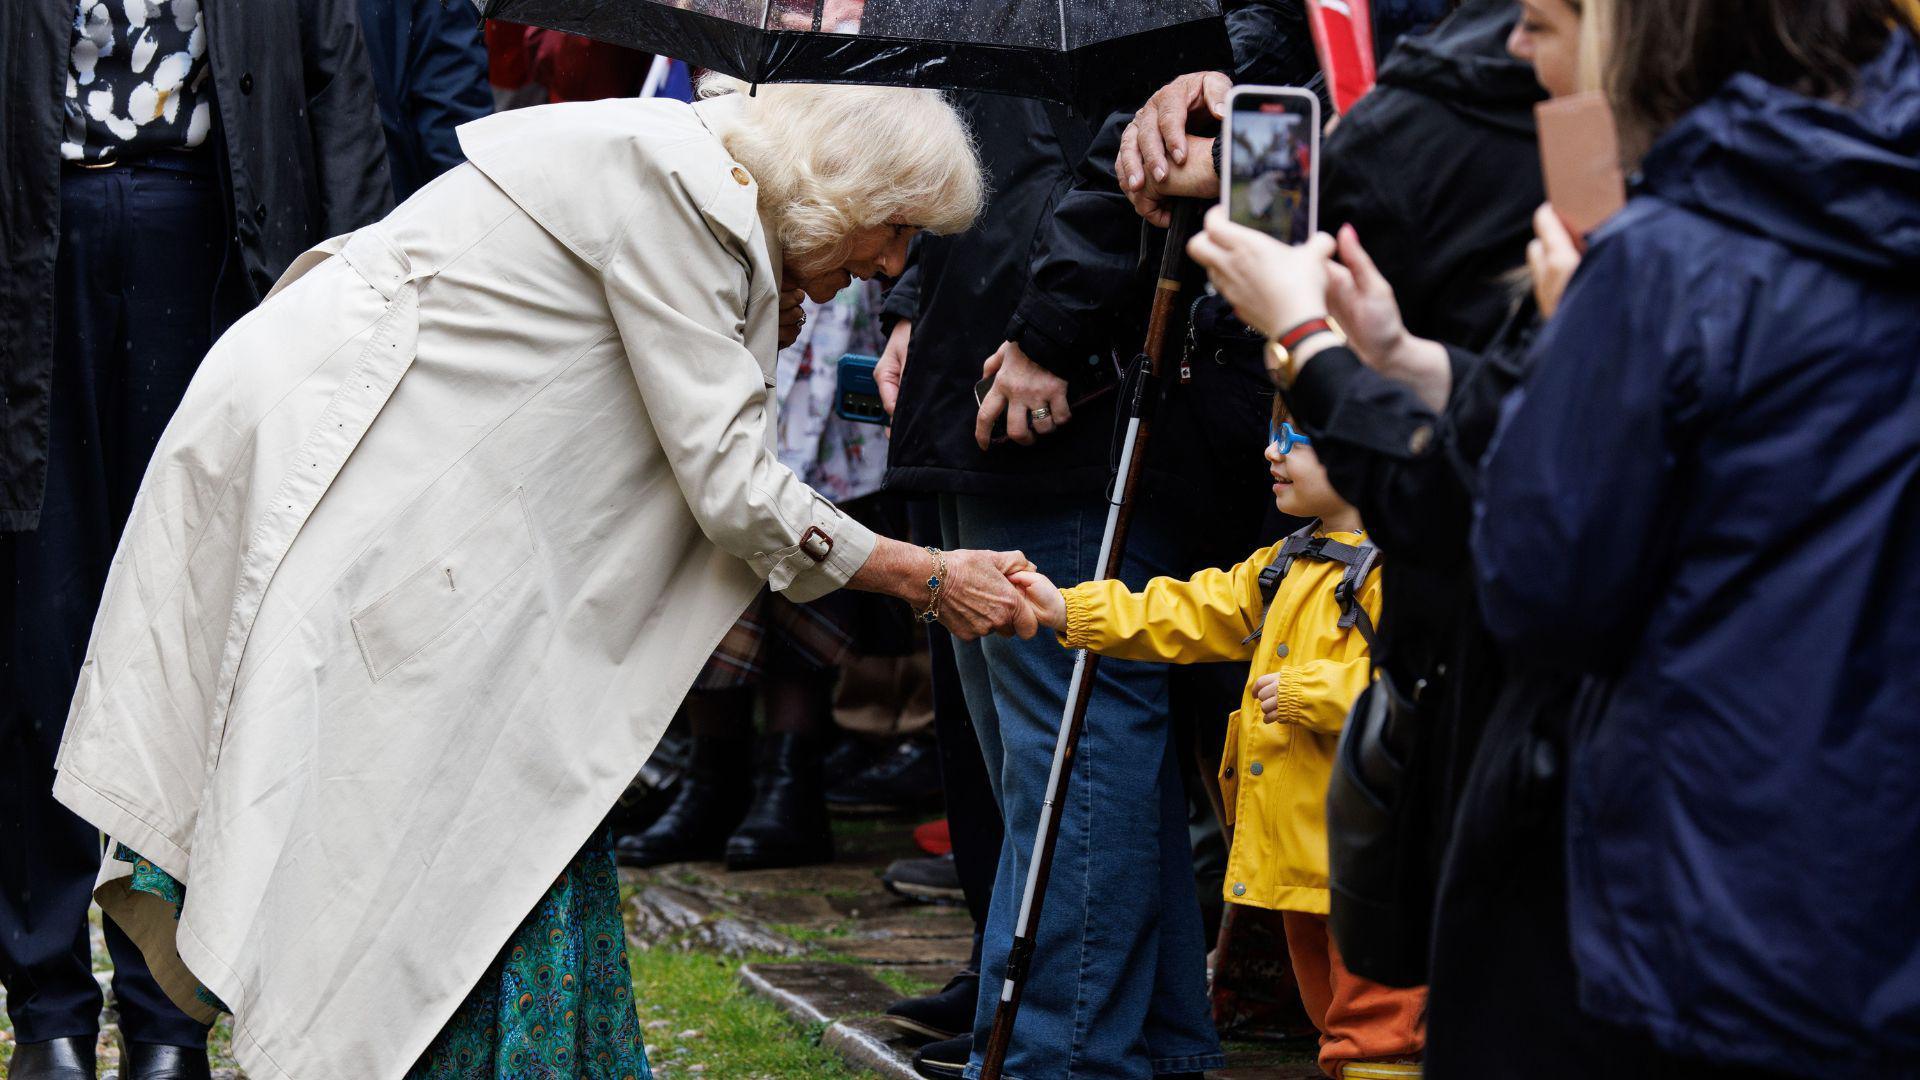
(1166, 290)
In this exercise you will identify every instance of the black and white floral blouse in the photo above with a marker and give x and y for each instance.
(136, 79)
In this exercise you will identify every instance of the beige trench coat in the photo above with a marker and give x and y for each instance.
(427, 559)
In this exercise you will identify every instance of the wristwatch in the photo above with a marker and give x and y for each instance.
(1280, 349)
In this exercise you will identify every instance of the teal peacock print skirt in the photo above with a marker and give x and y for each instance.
(556, 1004)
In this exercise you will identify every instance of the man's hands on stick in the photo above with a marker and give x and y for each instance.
(1033, 399)
(1160, 159)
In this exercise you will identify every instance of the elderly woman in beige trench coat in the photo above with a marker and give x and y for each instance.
(444, 530)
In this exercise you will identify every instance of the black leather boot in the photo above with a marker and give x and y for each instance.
(706, 806)
(152, 1061)
(54, 1059)
(787, 825)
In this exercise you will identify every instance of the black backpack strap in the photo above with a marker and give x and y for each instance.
(1353, 615)
(1295, 545)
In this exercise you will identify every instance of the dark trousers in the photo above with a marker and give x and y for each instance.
(140, 250)
(973, 818)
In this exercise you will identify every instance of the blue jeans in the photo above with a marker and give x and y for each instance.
(1117, 988)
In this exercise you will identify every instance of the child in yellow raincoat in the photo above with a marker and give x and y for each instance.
(1307, 637)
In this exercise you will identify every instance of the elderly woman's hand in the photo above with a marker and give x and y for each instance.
(979, 599)
(976, 597)
(1272, 287)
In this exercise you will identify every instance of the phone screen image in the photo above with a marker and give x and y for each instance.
(1272, 162)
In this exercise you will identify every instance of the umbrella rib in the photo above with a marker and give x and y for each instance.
(760, 55)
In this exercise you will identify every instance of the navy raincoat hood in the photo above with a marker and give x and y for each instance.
(1707, 497)
(1836, 183)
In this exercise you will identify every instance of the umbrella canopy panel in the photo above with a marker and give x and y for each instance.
(1089, 54)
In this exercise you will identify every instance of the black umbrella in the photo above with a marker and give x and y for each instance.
(1089, 54)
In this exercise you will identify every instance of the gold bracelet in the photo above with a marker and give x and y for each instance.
(936, 584)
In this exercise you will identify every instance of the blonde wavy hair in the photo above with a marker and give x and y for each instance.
(835, 159)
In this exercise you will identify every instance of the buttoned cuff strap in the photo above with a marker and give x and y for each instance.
(826, 557)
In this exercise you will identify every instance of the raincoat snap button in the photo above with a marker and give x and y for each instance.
(1228, 773)
(1254, 768)
(1239, 889)
(740, 176)
(1282, 650)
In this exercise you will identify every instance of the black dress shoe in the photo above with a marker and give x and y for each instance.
(853, 756)
(943, 1015)
(54, 1059)
(906, 779)
(931, 880)
(151, 1061)
(946, 1060)
(787, 824)
(707, 804)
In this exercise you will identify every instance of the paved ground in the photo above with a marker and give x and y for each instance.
(833, 948)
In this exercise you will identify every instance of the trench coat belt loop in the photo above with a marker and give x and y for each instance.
(379, 261)
(360, 392)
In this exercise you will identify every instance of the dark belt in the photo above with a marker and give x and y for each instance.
(197, 161)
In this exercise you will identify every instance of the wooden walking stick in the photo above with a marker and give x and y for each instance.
(1113, 546)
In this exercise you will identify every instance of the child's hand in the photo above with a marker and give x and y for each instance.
(1049, 607)
(1267, 691)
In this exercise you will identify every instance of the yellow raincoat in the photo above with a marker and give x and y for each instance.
(1274, 776)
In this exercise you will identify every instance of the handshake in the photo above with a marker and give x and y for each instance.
(993, 592)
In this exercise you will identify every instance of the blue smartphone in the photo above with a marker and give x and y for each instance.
(856, 395)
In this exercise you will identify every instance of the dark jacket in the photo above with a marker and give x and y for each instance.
(1708, 494)
(1466, 106)
(1438, 169)
(303, 160)
(1412, 471)
(430, 71)
(960, 294)
(1058, 265)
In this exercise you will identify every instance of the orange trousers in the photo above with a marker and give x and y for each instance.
(1359, 1019)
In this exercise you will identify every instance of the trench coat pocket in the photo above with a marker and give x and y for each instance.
(435, 598)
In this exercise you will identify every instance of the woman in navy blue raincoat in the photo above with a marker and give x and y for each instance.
(1707, 496)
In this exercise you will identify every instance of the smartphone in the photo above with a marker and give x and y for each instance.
(1084, 395)
(856, 394)
(1271, 158)
(1580, 161)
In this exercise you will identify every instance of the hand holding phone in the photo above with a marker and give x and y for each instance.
(1271, 161)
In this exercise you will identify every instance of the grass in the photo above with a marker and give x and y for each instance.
(700, 1021)
(697, 1018)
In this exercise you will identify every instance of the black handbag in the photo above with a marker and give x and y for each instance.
(1380, 837)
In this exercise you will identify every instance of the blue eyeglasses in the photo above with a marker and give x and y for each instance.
(1283, 435)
